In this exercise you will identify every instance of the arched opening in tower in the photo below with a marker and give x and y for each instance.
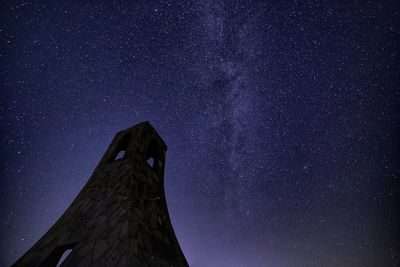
(120, 151)
(152, 155)
(58, 256)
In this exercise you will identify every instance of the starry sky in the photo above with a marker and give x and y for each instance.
(281, 120)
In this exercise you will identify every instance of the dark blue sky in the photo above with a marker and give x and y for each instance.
(281, 119)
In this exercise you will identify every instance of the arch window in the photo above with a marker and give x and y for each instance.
(58, 256)
(120, 151)
(152, 154)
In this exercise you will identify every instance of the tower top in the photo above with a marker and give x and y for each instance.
(140, 141)
(144, 127)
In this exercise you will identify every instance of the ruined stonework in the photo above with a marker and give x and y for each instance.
(120, 217)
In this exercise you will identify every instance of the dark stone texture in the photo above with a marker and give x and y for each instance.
(120, 217)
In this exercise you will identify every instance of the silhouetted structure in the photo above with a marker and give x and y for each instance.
(120, 217)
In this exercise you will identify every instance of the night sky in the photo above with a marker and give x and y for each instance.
(282, 121)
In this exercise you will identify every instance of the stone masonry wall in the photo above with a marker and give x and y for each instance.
(120, 218)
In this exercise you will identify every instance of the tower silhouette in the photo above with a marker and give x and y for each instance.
(120, 217)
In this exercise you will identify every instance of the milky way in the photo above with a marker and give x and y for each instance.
(281, 120)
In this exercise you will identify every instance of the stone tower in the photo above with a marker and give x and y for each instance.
(120, 217)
